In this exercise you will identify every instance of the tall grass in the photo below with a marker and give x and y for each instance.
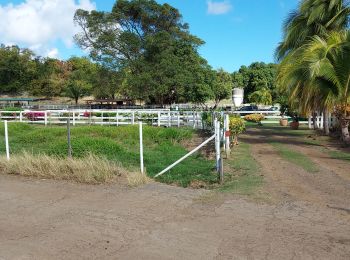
(91, 169)
(162, 146)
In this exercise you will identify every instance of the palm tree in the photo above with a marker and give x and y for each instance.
(313, 17)
(318, 75)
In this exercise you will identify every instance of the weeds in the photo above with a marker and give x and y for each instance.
(91, 169)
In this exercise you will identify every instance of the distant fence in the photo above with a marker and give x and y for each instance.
(163, 117)
(156, 117)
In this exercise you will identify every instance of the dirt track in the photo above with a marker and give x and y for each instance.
(307, 216)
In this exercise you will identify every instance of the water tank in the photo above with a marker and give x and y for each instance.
(237, 96)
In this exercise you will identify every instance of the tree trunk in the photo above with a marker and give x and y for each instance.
(344, 123)
(326, 121)
(76, 100)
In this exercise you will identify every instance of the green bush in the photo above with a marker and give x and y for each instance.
(207, 119)
(12, 109)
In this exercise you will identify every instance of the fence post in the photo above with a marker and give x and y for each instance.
(227, 137)
(169, 119)
(178, 119)
(133, 118)
(7, 141)
(217, 144)
(45, 118)
(309, 121)
(117, 115)
(68, 138)
(141, 149)
(21, 116)
(158, 118)
(221, 174)
(194, 116)
(73, 118)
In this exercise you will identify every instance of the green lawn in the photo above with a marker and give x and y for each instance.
(121, 144)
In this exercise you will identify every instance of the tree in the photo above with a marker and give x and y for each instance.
(81, 76)
(317, 74)
(150, 43)
(17, 69)
(107, 83)
(261, 96)
(313, 17)
(50, 77)
(256, 76)
(222, 86)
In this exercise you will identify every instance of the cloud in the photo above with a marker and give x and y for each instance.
(217, 8)
(53, 53)
(40, 24)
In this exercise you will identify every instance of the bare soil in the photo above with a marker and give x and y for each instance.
(306, 215)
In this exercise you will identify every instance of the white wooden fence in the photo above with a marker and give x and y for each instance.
(106, 117)
(156, 117)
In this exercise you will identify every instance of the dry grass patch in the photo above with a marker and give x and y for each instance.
(91, 169)
(136, 179)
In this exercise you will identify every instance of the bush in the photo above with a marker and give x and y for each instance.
(237, 126)
(34, 116)
(8, 112)
(207, 119)
(256, 118)
(12, 109)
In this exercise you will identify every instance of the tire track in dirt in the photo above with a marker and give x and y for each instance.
(329, 187)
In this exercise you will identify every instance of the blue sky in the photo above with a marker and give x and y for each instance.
(236, 32)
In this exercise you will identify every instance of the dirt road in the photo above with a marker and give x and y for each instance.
(306, 217)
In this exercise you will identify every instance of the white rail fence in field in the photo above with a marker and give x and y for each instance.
(158, 117)
(106, 117)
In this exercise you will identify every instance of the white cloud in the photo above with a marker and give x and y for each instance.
(216, 8)
(53, 53)
(38, 24)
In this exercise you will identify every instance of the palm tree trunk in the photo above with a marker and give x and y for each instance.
(326, 121)
(344, 123)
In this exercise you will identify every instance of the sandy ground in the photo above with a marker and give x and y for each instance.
(303, 216)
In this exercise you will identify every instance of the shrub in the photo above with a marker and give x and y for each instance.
(35, 116)
(207, 119)
(12, 109)
(8, 112)
(237, 126)
(256, 118)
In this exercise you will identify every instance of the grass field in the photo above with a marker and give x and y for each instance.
(117, 144)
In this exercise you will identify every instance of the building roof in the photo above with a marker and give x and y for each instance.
(19, 99)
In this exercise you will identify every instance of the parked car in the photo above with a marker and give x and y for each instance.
(249, 108)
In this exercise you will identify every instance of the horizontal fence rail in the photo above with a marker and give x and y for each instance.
(156, 117)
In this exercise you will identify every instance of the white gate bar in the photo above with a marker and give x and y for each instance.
(185, 156)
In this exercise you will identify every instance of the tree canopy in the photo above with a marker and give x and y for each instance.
(152, 45)
(256, 77)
